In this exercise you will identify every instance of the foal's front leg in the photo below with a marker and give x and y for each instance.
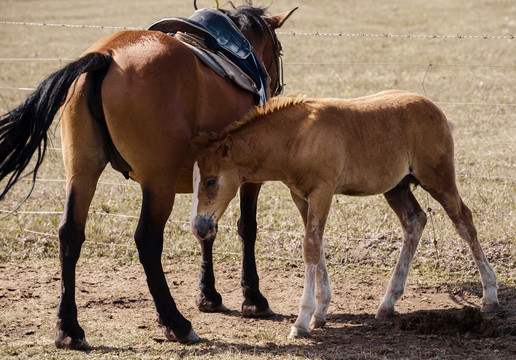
(322, 284)
(315, 266)
(322, 294)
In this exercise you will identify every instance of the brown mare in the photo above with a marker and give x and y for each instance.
(377, 144)
(135, 99)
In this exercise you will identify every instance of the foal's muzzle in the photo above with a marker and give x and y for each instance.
(204, 227)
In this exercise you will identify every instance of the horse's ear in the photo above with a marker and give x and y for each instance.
(225, 146)
(276, 21)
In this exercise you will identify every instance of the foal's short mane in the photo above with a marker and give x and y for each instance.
(274, 105)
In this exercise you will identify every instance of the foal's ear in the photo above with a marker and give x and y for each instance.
(276, 21)
(225, 146)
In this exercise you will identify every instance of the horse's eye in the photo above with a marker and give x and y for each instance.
(210, 183)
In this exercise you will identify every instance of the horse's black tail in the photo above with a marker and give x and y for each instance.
(24, 130)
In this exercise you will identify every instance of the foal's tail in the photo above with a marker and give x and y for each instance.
(24, 130)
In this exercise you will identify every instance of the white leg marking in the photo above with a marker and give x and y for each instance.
(487, 274)
(195, 199)
(398, 280)
(322, 295)
(307, 306)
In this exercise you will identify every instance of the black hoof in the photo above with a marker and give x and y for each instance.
(260, 310)
(191, 338)
(205, 305)
(63, 341)
(70, 337)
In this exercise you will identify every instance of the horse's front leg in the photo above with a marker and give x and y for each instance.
(208, 300)
(315, 266)
(255, 304)
(156, 207)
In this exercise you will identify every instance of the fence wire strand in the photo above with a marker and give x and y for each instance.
(292, 34)
(289, 33)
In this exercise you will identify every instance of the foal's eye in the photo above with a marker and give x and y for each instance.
(210, 183)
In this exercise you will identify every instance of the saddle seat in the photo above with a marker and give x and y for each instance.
(219, 44)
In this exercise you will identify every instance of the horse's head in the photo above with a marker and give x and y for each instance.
(215, 183)
(258, 28)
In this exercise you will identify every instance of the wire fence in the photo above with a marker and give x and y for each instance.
(292, 34)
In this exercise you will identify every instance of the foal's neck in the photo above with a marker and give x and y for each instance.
(261, 145)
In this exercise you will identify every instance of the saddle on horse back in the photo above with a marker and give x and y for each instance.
(220, 45)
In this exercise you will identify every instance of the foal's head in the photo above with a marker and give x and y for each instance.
(216, 181)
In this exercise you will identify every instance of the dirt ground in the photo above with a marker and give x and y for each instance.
(117, 313)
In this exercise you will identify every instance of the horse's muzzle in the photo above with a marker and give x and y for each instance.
(204, 227)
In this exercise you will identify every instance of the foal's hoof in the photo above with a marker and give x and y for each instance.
(205, 305)
(192, 337)
(296, 333)
(490, 307)
(66, 342)
(317, 323)
(383, 314)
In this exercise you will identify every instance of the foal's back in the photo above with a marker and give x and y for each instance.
(369, 144)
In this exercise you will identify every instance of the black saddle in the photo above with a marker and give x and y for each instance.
(221, 35)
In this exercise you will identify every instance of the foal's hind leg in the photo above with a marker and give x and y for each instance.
(448, 196)
(413, 220)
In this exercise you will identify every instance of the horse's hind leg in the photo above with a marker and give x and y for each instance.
(84, 162)
(413, 220)
(80, 191)
(448, 196)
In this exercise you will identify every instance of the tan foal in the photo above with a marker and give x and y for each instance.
(379, 144)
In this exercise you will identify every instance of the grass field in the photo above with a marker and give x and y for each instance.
(472, 79)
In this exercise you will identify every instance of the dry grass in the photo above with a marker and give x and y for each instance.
(361, 232)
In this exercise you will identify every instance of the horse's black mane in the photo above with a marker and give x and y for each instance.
(248, 16)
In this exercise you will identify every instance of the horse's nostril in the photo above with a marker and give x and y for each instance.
(203, 226)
